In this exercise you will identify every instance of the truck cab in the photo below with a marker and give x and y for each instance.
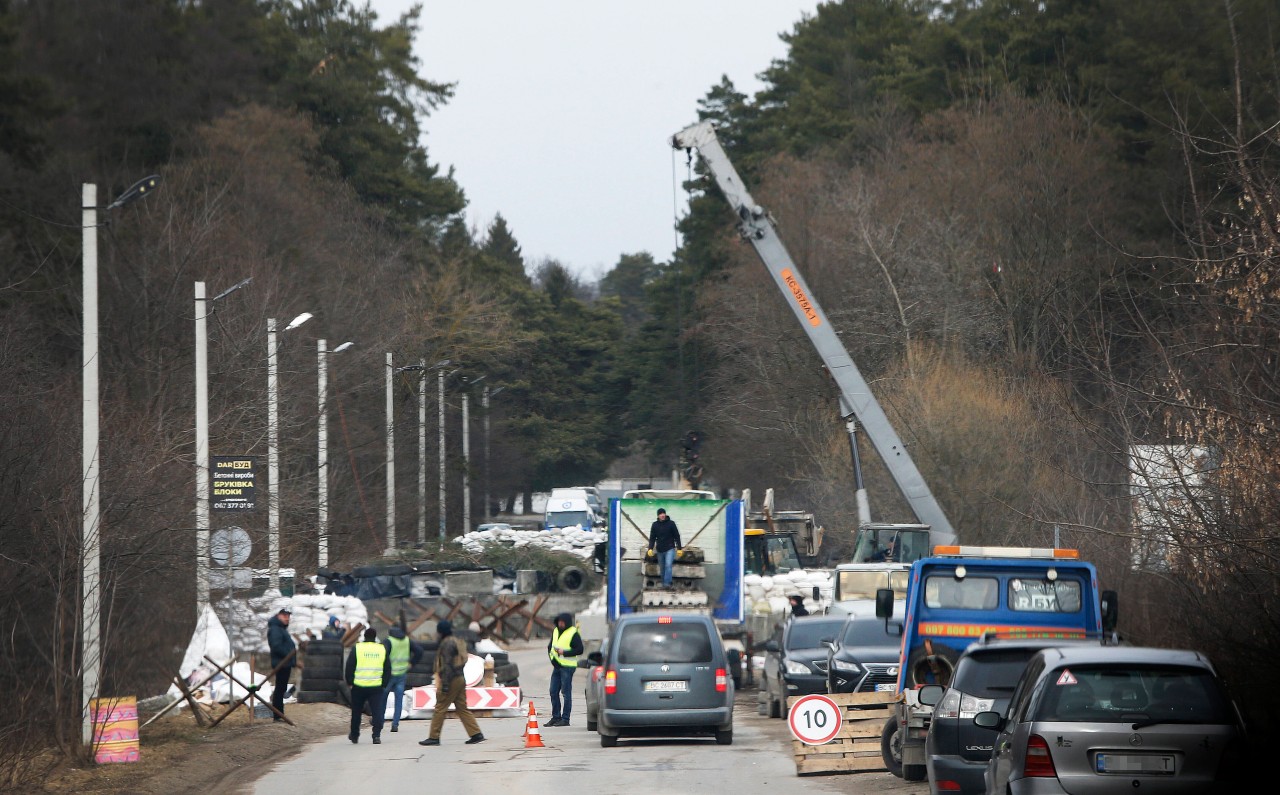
(892, 543)
(958, 594)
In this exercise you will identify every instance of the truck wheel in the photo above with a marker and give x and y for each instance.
(734, 658)
(891, 747)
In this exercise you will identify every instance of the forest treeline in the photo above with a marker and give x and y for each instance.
(1047, 232)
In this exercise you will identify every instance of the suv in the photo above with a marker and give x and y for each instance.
(956, 751)
(795, 663)
(1117, 718)
(864, 657)
(664, 675)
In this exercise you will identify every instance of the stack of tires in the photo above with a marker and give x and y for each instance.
(322, 680)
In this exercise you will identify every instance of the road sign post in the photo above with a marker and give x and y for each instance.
(815, 720)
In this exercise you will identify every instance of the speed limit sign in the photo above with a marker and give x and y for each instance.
(815, 720)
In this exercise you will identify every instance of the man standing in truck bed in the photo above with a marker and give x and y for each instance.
(664, 538)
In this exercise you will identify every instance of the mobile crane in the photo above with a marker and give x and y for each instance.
(856, 400)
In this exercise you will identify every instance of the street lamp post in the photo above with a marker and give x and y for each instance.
(484, 401)
(322, 453)
(273, 449)
(204, 308)
(91, 504)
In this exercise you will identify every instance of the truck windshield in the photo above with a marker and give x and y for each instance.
(864, 584)
(891, 544)
(769, 555)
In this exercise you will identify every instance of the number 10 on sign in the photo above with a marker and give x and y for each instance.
(815, 720)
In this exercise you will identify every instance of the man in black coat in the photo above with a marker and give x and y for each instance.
(281, 644)
(664, 539)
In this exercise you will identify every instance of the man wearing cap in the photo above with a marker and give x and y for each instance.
(451, 686)
(367, 672)
(404, 653)
(664, 539)
(281, 644)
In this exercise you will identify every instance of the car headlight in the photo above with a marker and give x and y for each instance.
(796, 667)
(847, 665)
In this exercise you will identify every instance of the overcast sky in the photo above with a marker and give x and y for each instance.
(563, 109)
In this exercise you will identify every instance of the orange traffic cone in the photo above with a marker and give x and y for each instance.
(532, 735)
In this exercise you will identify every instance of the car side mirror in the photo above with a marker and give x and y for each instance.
(930, 695)
(884, 603)
(988, 720)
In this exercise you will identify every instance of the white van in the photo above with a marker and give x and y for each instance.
(570, 511)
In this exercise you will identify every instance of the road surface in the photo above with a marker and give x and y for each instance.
(572, 760)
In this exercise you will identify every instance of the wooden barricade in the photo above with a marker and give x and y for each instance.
(856, 749)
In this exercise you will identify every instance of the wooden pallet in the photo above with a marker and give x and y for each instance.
(856, 749)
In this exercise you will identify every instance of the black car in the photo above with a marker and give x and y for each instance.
(957, 751)
(796, 660)
(864, 657)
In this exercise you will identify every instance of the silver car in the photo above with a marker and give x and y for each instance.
(664, 675)
(1111, 719)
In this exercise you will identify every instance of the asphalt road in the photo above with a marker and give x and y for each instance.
(572, 760)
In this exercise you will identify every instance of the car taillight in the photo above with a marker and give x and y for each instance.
(1039, 763)
(948, 786)
(722, 681)
(611, 682)
(949, 706)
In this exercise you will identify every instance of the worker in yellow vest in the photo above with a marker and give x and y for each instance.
(404, 653)
(564, 649)
(368, 671)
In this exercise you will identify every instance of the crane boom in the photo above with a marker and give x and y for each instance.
(757, 227)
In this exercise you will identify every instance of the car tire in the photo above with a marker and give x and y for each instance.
(608, 741)
(329, 684)
(592, 725)
(572, 579)
(322, 647)
(724, 737)
(891, 747)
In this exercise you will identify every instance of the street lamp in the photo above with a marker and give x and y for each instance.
(322, 457)
(91, 540)
(273, 450)
(484, 401)
(466, 456)
(204, 308)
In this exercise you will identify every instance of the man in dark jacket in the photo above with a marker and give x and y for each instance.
(403, 654)
(282, 646)
(451, 686)
(797, 605)
(368, 671)
(664, 539)
(564, 649)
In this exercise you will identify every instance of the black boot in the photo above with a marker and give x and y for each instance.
(478, 737)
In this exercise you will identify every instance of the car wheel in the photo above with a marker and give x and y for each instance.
(592, 725)
(891, 747)
(608, 741)
(724, 737)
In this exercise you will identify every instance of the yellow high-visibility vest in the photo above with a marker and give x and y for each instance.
(399, 655)
(370, 660)
(561, 642)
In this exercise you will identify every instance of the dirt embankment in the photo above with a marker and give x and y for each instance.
(180, 757)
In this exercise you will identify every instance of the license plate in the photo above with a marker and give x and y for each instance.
(666, 685)
(1135, 763)
(886, 688)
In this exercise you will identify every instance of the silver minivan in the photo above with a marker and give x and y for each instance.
(664, 675)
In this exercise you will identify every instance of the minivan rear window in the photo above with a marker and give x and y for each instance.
(679, 641)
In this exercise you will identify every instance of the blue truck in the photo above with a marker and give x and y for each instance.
(961, 593)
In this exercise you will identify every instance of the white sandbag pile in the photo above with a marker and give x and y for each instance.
(767, 595)
(246, 619)
(574, 540)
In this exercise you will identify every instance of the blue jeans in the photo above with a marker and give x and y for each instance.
(561, 688)
(667, 559)
(395, 689)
